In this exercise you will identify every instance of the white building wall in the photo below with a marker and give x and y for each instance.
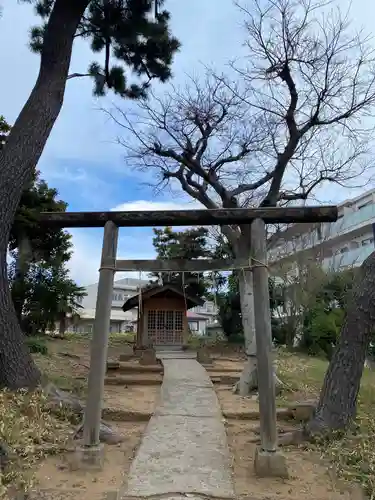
(344, 243)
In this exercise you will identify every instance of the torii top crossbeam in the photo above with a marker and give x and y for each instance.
(203, 217)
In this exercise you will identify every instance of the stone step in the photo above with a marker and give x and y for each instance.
(133, 380)
(118, 367)
(67, 494)
(166, 348)
(122, 415)
(225, 379)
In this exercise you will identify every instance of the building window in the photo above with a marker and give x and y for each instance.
(117, 297)
(367, 241)
(193, 326)
(364, 205)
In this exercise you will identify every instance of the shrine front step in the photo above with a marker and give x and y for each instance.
(133, 380)
(119, 367)
(167, 347)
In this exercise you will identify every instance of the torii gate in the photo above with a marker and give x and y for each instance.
(258, 217)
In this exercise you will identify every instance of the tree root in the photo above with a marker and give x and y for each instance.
(59, 399)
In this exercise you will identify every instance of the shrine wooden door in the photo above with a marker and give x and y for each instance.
(165, 327)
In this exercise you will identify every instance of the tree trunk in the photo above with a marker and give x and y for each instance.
(22, 269)
(62, 325)
(338, 398)
(248, 380)
(18, 159)
(17, 368)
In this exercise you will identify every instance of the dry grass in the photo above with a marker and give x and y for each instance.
(353, 454)
(28, 428)
(30, 433)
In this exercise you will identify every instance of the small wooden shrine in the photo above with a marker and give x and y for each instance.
(162, 315)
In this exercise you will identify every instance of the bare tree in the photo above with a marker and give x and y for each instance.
(295, 119)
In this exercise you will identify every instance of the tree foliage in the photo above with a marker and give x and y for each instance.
(32, 243)
(46, 243)
(230, 307)
(4, 130)
(125, 31)
(128, 33)
(49, 296)
(287, 118)
(284, 122)
(189, 244)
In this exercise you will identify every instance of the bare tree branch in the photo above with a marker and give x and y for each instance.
(289, 118)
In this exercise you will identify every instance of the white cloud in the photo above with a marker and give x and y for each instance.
(85, 262)
(145, 205)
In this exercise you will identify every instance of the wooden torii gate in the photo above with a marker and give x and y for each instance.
(257, 217)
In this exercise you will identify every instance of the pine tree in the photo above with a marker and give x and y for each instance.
(187, 245)
(30, 243)
(136, 36)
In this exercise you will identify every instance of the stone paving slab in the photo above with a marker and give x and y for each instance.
(193, 401)
(192, 373)
(176, 354)
(182, 455)
(184, 450)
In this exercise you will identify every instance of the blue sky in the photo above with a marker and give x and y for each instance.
(81, 158)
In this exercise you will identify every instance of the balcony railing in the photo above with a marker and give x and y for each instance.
(351, 258)
(349, 221)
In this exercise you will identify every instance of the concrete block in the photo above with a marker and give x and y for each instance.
(148, 357)
(88, 457)
(127, 352)
(203, 356)
(270, 464)
(126, 357)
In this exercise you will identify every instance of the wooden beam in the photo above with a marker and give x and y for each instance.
(177, 265)
(190, 217)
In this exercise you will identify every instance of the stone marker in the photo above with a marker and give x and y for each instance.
(148, 357)
(88, 458)
(203, 356)
(270, 464)
(127, 353)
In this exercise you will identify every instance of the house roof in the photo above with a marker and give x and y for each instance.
(193, 315)
(150, 291)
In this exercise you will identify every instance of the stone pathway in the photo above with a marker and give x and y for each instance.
(184, 450)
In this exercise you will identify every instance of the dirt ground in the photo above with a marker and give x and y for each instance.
(58, 472)
(310, 476)
(67, 365)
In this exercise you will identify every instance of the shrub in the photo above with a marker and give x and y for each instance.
(321, 329)
(236, 338)
(37, 345)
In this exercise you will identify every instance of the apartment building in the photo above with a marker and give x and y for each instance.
(335, 246)
(121, 321)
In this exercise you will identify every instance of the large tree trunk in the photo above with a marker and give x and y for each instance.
(18, 159)
(62, 325)
(249, 379)
(22, 268)
(338, 398)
